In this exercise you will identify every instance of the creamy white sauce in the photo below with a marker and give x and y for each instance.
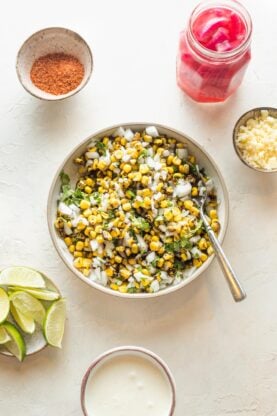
(127, 385)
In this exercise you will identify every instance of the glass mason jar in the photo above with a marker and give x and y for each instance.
(214, 50)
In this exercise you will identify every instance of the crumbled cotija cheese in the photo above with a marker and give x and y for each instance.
(257, 141)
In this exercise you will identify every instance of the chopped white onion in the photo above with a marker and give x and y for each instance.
(128, 135)
(119, 132)
(152, 131)
(65, 209)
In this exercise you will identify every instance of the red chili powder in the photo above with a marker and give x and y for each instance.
(57, 73)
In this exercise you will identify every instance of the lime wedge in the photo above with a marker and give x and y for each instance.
(54, 323)
(42, 294)
(22, 276)
(4, 305)
(16, 345)
(4, 337)
(28, 306)
(26, 323)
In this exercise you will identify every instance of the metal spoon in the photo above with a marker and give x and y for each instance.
(234, 285)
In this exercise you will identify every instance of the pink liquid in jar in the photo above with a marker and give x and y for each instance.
(214, 51)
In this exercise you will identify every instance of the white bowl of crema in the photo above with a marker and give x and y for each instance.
(128, 381)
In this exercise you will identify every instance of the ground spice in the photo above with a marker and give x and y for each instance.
(57, 73)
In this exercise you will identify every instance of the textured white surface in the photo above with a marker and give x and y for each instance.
(223, 355)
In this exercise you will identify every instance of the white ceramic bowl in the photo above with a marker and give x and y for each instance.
(48, 41)
(203, 159)
(135, 351)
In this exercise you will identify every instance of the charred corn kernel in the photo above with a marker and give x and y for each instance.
(125, 274)
(169, 160)
(113, 286)
(128, 251)
(144, 168)
(184, 257)
(164, 203)
(127, 206)
(160, 262)
(115, 233)
(168, 264)
(118, 154)
(144, 180)
(191, 159)
(86, 243)
(71, 248)
(154, 246)
(188, 204)
(155, 238)
(81, 226)
(121, 215)
(203, 257)
(87, 213)
(215, 225)
(120, 249)
(168, 256)
(147, 202)
(213, 214)
(59, 223)
(194, 211)
(84, 204)
(146, 192)
(178, 218)
(92, 219)
(184, 169)
(137, 285)
(79, 246)
(68, 241)
(114, 203)
(176, 161)
(210, 250)
(109, 272)
(102, 165)
(123, 288)
(160, 186)
(79, 160)
(100, 239)
(203, 244)
(169, 190)
(105, 141)
(168, 214)
(86, 272)
(134, 248)
(89, 182)
(136, 204)
(132, 262)
(127, 168)
(88, 190)
(87, 263)
(92, 234)
(137, 177)
(104, 215)
(170, 169)
(147, 138)
(194, 191)
(123, 141)
(145, 282)
(197, 263)
(77, 254)
(99, 219)
(78, 263)
(118, 259)
(161, 250)
(107, 236)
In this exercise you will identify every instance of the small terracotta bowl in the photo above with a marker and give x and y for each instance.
(127, 351)
(48, 41)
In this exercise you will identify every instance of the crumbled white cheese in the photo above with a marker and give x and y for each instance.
(257, 141)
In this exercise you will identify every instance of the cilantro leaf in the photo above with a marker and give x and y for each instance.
(101, 147)
(183, 243)
(141, 223)
(65, 180)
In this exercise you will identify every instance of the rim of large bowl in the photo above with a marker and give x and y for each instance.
(107, 290)
(127, 349)
(238, 124)
(55, 97)
(7, 353)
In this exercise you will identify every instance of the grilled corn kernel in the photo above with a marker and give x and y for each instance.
(79, 246)
(213, 214)
(118, 154)
(113, 286)
(184, 257)
(144, 180)
(197, 263)
(88, 190)
(127, 206)
(87, 263)
(118, 259)
(134, 248)
(100, 239)
(194, 211)
(203, 244)
(114, 203)
(203, 257)
(102, 165)
(77, 254)
(215, 225)
(122, 288)
(160, 262)
(78, 263)
(84, 204)
(120, 249)
(125, 274)
(92, 234)
(161, 250)
(168, 214)
(169, 159)
(86, 272)
(188, 204)
(109, 272)
(127, 168)
(154, 246)
(147, 138)
(87, 213)
(71, 248)
(164, 203)
(68, 241)
(194, 191)
(144, 168)
(210, 250)
(90, 182)
(184, 169)
(176, 161)
(81, 226)
(137, 177)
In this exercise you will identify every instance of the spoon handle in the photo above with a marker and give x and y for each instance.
(234, 285)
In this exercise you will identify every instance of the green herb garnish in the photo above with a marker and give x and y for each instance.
(65, 180)
(183, 243)
(141, 223)
(97, 197)
(101, 147)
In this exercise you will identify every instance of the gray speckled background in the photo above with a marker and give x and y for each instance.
(223, 355)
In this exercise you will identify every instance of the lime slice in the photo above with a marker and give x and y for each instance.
(22, 276)
(28, 306)
(4, 305)
(4, 337)
(17, 345)
(54, 323)
(42, 294)
(26, 323)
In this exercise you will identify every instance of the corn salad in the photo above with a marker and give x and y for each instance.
(131, 222)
